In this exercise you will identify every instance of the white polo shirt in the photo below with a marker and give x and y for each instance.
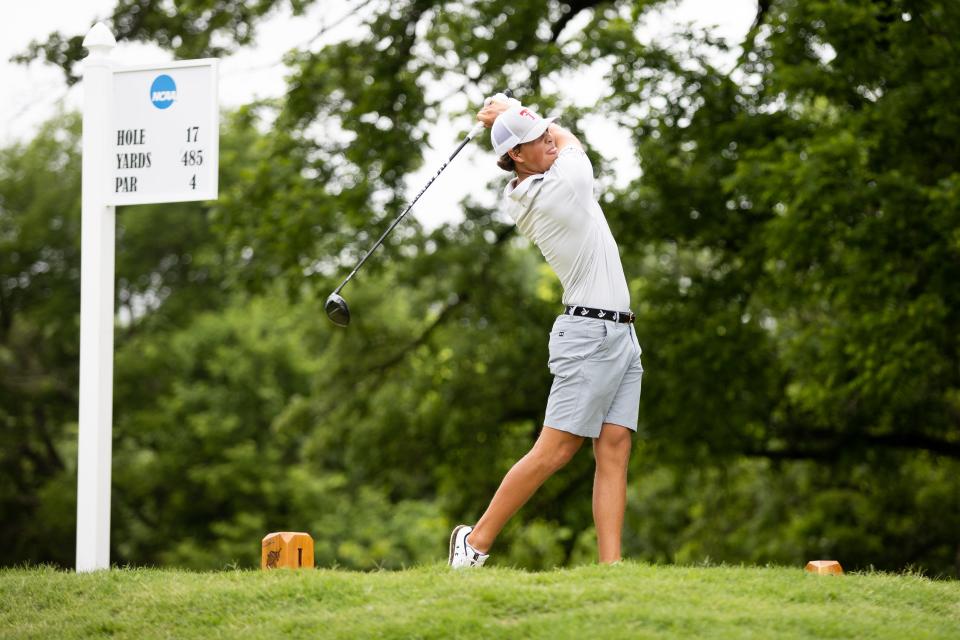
(557, 211)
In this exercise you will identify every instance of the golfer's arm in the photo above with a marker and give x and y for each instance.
(563, 138)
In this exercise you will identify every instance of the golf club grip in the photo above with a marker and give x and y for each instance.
(477, 129)
(393, 224)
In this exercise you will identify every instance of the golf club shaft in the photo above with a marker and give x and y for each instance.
(470, 136)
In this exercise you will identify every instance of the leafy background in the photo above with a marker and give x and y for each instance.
(792, 247)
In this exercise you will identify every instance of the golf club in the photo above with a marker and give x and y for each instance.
(336, 306)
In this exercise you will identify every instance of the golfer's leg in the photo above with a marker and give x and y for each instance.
(552, 450)
(612, 451)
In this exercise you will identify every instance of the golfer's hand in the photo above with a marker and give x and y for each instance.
(493, 107)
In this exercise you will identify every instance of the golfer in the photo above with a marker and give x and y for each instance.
(594, 352)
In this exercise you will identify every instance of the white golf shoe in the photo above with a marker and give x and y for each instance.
(461, 553)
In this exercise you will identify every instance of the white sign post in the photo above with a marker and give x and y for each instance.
(150, 135)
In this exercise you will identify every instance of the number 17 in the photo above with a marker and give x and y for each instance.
(192, 133)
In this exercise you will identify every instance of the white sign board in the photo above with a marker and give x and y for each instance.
(164, 133)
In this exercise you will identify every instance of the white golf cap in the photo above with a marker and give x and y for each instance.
(517, 125)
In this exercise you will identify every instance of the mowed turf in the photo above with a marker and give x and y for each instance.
(628, 600)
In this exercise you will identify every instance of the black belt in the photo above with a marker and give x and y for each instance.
(600, 314)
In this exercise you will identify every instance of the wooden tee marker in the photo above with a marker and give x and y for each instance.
(290, 549)
(825, 567)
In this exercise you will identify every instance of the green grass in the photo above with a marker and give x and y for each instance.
(624, 601)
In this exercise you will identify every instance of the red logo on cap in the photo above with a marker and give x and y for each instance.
(524, 112)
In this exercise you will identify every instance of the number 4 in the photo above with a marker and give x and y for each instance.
(193, 182)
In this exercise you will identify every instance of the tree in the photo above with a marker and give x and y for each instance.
(791, 246)
(802, 208)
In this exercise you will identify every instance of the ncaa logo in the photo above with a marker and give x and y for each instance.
(163, 91)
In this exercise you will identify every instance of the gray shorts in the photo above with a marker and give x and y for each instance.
(597, 373)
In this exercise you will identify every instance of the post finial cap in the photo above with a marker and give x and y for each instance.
(99, 36)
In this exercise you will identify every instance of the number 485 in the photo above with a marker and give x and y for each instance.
(192, 158)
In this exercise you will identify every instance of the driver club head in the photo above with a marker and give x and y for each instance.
(337, 311)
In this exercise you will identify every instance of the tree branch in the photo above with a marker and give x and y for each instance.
(571, 11)
(461, 296)
(833, 446)
(763, 10)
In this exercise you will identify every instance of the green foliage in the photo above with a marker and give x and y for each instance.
(791, 246)
(198, 28)
(240, 447)
(39, 333)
